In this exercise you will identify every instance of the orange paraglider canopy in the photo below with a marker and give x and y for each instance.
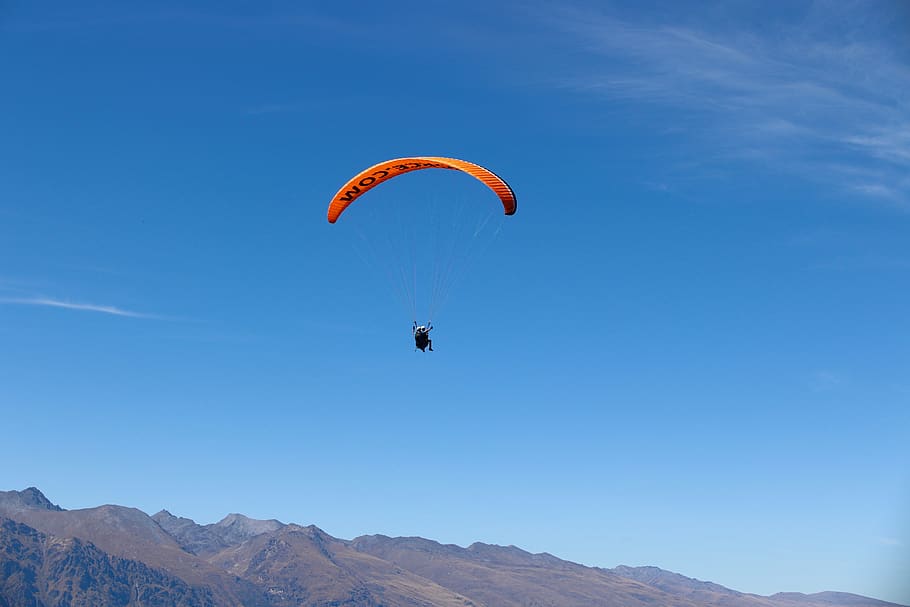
(379, 173)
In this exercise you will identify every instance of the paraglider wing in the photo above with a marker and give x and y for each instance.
(379, 173)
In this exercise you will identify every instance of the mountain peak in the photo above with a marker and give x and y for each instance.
(33, 496)
(30, 498)
(168, 520)
(236, 528)
(233, 518)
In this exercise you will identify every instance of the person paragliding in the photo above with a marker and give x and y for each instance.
(422, 336)
(373, 176)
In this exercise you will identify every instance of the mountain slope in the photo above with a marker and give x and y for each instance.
(510, 577)
(128, 533)
(306, 566)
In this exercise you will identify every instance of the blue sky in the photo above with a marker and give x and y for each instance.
(688, 349)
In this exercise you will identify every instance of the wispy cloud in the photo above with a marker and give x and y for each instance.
(889, 541)
(275, 108)
(313, 23)
(87, 307)
(864, 263)
(824, 381)
(825, 90)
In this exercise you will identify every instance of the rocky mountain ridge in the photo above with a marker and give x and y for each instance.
(121, 557)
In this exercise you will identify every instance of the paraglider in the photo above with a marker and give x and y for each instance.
(444, 275)
(369, 178)
(422, 337)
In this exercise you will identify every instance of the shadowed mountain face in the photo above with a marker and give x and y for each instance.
(118, 556)
(37, 569)
(195, 539)
(130, 534)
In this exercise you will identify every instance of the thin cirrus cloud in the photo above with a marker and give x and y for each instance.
(824, 381)
(824, 94)
(86, 307)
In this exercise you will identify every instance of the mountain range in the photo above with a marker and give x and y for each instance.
(121, 557)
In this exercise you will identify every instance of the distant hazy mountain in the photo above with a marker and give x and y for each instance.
(205, 540)
(121, 557)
